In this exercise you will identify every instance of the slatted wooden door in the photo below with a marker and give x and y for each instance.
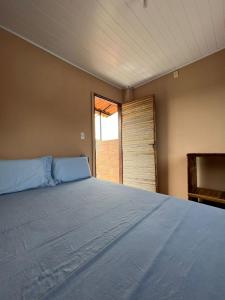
(138, 144)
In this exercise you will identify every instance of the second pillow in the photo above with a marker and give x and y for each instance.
(67, 169)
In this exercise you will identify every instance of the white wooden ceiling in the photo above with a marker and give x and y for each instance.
(120, 41)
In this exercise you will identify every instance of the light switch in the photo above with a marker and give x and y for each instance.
(82, 136)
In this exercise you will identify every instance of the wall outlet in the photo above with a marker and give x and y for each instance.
(82, 136)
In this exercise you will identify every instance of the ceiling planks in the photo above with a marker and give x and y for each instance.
(120, 41)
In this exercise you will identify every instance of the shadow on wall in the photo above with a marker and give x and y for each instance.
(162, 130)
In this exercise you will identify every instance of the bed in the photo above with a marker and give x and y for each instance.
(92, 239)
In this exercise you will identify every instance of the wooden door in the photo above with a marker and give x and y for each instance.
(138, 144)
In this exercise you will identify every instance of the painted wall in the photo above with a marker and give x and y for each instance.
(190, 112)
(44, 102)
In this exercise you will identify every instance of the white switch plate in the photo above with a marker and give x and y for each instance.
(82, 136)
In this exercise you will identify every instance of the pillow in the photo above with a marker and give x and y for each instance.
(70, 169)
(19, 175)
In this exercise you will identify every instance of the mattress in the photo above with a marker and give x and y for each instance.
(93, 239)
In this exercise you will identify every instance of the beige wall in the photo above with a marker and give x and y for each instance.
(44, 102)
(190, 118)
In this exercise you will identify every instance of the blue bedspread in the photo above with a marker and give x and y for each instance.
(93, 240)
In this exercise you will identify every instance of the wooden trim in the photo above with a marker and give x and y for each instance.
(205, 197)
(206, 154)
(120, 144)
(93, 134)
(155, 145)
(192, 175)
(208, 194)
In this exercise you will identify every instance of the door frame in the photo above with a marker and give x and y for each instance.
(119, 134)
